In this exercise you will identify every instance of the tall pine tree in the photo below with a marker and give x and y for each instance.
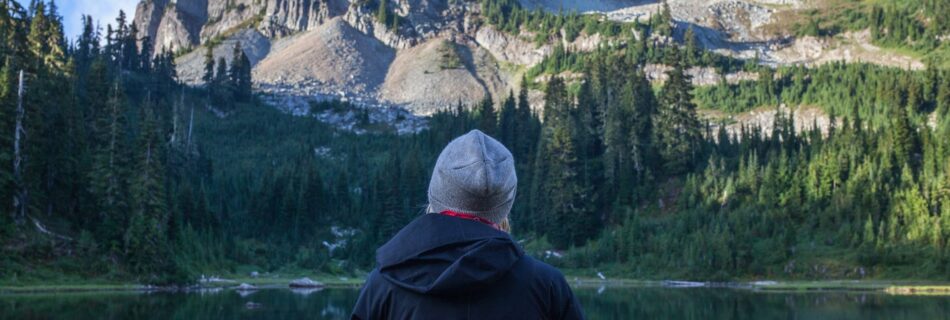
(563, 196)
(678, 132)
(108, 177)
(487, 117)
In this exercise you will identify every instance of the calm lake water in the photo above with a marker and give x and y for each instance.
(608, 303)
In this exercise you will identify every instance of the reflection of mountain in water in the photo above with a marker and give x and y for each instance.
(305, 291)
(332, 311)
(246, 293)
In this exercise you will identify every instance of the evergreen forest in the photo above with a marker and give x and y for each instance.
(113, 169)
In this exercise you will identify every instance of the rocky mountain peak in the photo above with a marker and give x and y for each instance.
(180, 25)
(305, 50)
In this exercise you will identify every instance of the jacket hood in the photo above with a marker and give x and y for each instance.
(442, 255)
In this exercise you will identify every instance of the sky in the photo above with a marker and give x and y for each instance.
(103, 11)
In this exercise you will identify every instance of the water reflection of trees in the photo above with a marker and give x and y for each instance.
(611, 303)
(226, 304)
(654, 303)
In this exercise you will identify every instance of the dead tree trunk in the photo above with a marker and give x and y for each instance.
(21, 194)
(176, 110)
(191, 124)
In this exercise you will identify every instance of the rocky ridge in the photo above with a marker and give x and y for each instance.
(311, 50)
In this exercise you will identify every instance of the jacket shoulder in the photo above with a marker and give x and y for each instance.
(373, 299)
(552, 287)
(540, 274)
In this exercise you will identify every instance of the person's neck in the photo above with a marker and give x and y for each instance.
(467, 216)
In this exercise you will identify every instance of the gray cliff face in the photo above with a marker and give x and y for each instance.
(172, 25)
(285, 17)
(173, 34)
(195, 9)
(224, 16)
(148, 15)
(184, 24)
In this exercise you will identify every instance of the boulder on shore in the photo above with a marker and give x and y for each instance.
(305, 283)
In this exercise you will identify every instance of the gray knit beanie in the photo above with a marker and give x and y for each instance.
(475, 174)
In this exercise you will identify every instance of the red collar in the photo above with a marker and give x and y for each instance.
(472, 217)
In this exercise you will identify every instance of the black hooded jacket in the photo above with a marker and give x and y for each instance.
(441, 267)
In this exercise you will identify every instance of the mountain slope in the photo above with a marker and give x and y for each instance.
(334, 57)
(316, 49)
(421, 75)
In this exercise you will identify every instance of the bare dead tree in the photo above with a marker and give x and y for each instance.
(176, 110)
(21, 195)
(191, 123)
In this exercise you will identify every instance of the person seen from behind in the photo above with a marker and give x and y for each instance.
(458, 261)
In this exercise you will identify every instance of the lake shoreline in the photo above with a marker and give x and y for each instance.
(895, 287)
(210, 283)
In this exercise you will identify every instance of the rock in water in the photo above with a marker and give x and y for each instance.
(253, 305)
(245, 287)
(682, 284)
(305, 283)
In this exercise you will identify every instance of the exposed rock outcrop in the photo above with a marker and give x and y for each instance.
(225, 17)
(582, 6)
(699, 76)
(510, 49)
(171, 25)
(804, 118)
(173, 34)
(364, 20)
(285, 17)
(847, 47)
(148, 15)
